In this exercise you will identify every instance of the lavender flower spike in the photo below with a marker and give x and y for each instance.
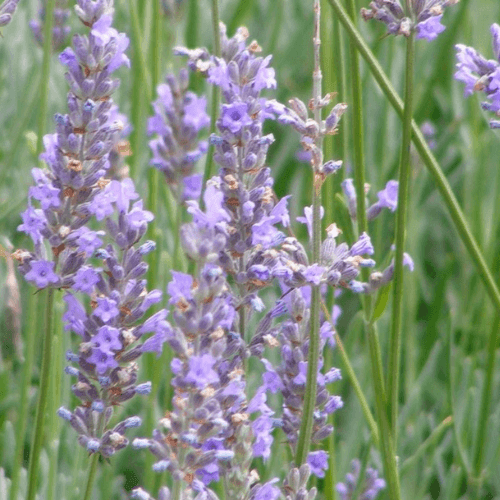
(480, 74)
(61, 29)
(197, 440)
(7, 9)
(179, 117)
(107, 267)
(422, 16)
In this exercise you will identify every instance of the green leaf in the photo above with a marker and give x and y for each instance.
(381, 303)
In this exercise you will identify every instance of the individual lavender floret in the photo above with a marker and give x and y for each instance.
(295, 484)
(371, 487)
(60, 30)
(179, 117)
(422, 16)
(7, 9)
(480, 74)
(387, 198)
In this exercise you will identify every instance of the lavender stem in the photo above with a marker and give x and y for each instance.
(42, 397)
(44, 82)
(22, 422)
(401, 216)
(215, 94)
(305, 433)
(94, 460)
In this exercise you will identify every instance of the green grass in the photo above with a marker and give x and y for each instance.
(447, 313)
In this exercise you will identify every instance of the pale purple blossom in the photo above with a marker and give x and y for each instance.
(424, 16)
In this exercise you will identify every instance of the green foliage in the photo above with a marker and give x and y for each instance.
(447, 316)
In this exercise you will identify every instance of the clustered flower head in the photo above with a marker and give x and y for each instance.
(207, 435)
(7, 9)
(105, 293)
(480, 74)
(289, 379)
(60, 30)
(371, 487)
(422, 16)
(179, 117)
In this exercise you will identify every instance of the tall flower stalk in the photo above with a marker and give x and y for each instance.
(401, 216)
(314, 341)
(215, 90)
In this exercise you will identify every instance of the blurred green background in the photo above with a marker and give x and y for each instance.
(447, 314)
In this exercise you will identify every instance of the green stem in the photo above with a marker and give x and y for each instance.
(138, 47)
(55, 397)
(94, 459)
(22, 419)
(386, 445)
(358, 391)
(355, 383)
(401, 216)
(327, 65)
(153, 366)
(42, 398)
(425, 153)
(306, 427)
(482, 426)
(215, 94)
(462, 455)
(426, 445)
(193, 24)
(357, 129)
(44, 82)
(153, 177)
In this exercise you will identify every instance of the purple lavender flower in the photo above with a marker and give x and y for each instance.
(60, 30)
(318, 462)
(74, 193)
(179, 117)
(480, 74)
(7, 9)
(423, 16)
(371, 487)
(42, 273)
(208, 386)
(387, 198)
(241, 149)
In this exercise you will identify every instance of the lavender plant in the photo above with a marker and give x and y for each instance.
(60, 29)
(73, 196)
